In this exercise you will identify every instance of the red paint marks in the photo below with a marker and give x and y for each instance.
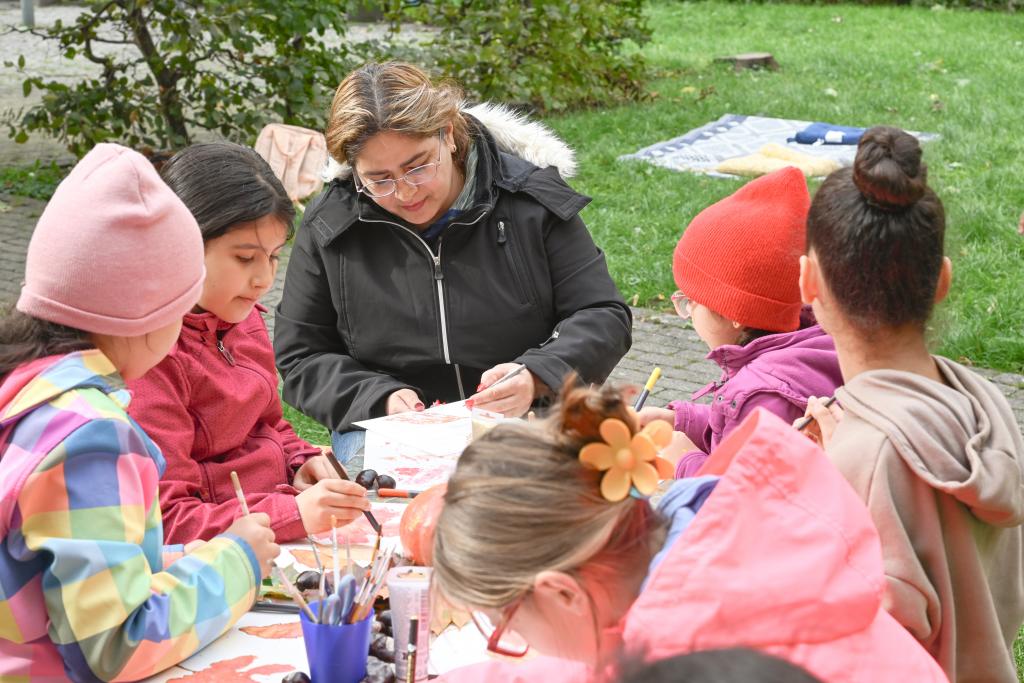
(358, 532)
(230, 671)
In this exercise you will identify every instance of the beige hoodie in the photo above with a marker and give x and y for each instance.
(939, 468)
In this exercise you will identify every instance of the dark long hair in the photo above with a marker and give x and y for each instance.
(877, 231)
(224, 184)
(733, 665)
(24, 339)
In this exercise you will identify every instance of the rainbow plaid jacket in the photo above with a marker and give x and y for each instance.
(86, 591)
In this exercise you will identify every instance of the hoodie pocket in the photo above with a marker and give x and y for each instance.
(506, 245)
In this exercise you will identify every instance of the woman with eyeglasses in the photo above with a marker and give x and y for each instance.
(737, 267)
(447, 253)
(548, 539)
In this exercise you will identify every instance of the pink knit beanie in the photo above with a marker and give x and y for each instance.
(115, 251)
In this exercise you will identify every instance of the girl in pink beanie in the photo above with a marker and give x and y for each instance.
(737, 267)
(88, 591)
(212, 404)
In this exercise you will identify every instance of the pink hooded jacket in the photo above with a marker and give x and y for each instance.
(212, 407)
(782, 558)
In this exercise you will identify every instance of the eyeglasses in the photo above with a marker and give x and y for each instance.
(682, 304)
(500, 638)
(417, 176)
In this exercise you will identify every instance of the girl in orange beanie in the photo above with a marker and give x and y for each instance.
(737, 267)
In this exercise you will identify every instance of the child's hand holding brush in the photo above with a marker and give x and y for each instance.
(820, 420)
(255, 530)
(336, 497)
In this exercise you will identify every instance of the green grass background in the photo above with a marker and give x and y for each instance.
(953, 72)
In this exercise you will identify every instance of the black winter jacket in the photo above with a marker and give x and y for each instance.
(368, 308)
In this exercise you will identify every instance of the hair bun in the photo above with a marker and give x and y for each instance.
(581, 410)
(888, 169)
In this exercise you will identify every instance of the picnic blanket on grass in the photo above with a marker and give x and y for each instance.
(734, 135)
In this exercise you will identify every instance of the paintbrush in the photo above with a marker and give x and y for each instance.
(321, 593)
(372, 586)
(410, 664)
(348, 558)
(393, 493)
(334, 557)
(296, 595)
(344, 475)
(655, 374)
(505, 378)
(365, 587)
(804, 422)
(376, 549)
(238, 492)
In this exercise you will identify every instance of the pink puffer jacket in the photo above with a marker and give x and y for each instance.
(782, 558)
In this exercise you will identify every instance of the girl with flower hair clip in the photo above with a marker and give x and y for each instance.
(548, 538)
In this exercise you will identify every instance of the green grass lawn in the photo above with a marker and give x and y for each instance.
(956, 73)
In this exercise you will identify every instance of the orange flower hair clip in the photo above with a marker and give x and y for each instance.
(629, 461)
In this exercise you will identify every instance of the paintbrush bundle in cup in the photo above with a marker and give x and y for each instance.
(371, 586)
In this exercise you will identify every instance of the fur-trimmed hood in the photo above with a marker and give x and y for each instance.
(514, 133)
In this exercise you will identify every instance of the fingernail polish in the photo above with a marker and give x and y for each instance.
(480, 387)
(419, 406)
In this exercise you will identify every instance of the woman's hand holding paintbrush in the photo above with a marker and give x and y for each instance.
(509, 389)
(820, 420)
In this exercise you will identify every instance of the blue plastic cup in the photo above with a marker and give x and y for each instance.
(336, 654)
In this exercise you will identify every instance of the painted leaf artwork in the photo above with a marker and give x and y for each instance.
(235, 670)
(274, 631)
(261, 647)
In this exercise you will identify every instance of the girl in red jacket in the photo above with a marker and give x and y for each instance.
(212, 404)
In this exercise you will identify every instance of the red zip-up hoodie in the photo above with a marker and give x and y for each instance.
(212, 406)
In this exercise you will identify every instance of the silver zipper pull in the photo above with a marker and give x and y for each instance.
(501, 233)
(224, 352)
(438, 275)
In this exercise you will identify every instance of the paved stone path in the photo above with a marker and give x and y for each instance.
(659, 339)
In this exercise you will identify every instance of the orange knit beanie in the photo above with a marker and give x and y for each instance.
(740, 257)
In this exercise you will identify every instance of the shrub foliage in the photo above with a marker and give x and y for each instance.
(168, 68)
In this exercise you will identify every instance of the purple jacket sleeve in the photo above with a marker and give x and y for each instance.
(693, 419)
(770, 401)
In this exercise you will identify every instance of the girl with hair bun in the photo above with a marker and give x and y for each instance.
(931, 447)
(548, 539)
